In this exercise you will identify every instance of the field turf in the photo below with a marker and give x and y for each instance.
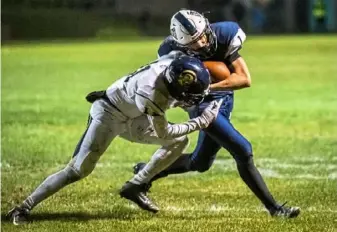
(289, 115)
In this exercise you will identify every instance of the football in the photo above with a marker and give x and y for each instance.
(218, 70)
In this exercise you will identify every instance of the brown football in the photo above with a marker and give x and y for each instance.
(218, 70)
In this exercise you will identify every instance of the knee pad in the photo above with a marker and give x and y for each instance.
(78, 169)
(72, 174)
(181, 143)
(185, 141)
(246, 161)
(84, 163)
(245, 153)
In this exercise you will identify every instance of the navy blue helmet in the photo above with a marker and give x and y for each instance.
(187, 80)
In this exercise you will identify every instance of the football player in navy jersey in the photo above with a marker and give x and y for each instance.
(193, 34)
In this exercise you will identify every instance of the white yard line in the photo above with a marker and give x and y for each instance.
(223, 208)
(269, 167)
(314, 209)
(333, 175)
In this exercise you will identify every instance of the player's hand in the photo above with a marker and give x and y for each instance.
(210, 113)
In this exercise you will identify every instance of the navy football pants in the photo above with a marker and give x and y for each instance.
(221, 133)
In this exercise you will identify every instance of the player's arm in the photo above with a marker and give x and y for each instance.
(166, 130)
(156, 115)
(160, 125)
(166, 47)
(238, 79)
(240, 76)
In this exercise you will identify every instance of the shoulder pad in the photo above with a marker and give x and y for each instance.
(225, 31)
(168, 45)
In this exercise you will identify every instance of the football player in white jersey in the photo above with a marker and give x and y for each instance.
(134, 108)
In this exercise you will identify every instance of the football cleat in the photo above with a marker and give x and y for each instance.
(286, 212)
(137, 168)
(18, 215)
(136, 194)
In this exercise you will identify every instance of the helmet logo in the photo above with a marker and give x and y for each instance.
(174, 33)
(187, 77)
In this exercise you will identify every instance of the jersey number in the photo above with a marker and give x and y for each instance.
(141, 69)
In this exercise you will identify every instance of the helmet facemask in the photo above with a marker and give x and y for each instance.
(209, 49)
(192, 99)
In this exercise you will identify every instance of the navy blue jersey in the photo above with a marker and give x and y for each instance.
(230, 38)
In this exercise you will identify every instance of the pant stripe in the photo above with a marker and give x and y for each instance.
(78, 146)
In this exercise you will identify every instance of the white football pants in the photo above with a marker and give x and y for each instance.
(106, 123)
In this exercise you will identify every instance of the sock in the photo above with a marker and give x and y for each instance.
(48, 187)
(161, 159)
(255, 182)
(181, 165)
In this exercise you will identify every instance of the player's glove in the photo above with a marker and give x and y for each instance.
(209, 114)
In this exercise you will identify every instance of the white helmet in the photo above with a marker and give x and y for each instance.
(187, 27)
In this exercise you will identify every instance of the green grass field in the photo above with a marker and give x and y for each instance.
(289, 115)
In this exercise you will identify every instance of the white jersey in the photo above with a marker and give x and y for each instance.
(142, 96)
(144, 91)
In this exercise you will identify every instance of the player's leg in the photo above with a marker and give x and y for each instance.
(92, 145)
(225, 134)
(134, 188)
(162, 158)
(201, 159)
(203, 156)
(222, 133)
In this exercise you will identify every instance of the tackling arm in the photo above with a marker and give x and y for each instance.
(156, 115)
(165, 130)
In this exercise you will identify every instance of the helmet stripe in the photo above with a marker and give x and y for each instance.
(186, 23)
